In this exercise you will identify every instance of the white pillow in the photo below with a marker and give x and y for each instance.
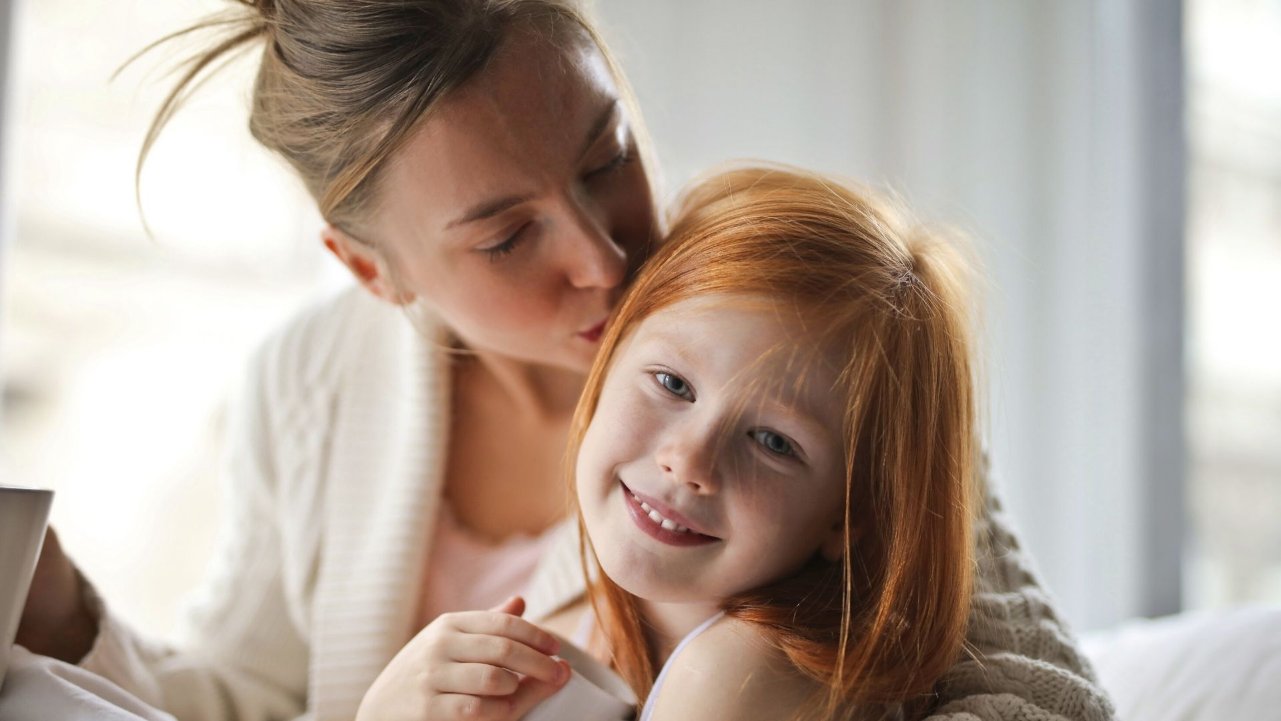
(1205, 666)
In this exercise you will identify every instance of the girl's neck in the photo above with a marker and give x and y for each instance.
(667, 623)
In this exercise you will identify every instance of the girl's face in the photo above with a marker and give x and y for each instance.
(713, 463)
(519, 208)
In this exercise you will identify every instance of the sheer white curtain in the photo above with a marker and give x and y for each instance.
(6, 220)
(1053, 132)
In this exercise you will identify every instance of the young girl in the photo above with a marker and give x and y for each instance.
(776, 450)
(775, 456)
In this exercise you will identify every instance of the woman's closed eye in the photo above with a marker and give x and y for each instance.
(506, 246)
(674, 385)
(623, 157)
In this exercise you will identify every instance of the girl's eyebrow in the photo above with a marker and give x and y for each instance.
(669, 342)
(802, 409)
(489, 208)
(803, 415)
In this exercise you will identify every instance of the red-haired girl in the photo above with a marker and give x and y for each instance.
(776, 453)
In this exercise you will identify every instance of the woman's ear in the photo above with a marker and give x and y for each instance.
(366, 264)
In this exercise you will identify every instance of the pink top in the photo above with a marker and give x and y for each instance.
(468, 572)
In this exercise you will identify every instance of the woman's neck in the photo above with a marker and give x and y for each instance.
(534, 392)
(667, 623)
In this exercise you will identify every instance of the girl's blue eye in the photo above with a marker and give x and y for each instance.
(674, 384)
(773, 442)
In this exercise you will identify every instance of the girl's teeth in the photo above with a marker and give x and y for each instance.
(654, 516)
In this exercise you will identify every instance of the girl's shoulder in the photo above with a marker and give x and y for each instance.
(732, 671)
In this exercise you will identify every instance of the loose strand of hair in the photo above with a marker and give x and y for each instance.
(188, 83)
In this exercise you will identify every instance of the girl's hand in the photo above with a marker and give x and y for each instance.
(56, 620)
(490, 665)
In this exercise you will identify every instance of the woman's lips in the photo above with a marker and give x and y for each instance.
(593, 334)
(670, 528)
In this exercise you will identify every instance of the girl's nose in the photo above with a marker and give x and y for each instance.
(689, 458)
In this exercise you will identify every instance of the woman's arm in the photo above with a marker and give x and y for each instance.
(1025, 664)
(244, 648)
(242, 653)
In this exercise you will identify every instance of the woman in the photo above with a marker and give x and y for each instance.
(395, 453)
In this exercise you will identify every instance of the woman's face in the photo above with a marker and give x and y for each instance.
(519, 208)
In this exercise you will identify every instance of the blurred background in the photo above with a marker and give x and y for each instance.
(1118, 163)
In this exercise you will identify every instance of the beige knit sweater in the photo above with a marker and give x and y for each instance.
(334, 473)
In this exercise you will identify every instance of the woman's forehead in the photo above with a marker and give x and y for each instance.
(511, 132)
(534, 72)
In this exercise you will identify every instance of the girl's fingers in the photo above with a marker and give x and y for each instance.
(514, 606)
(506, 653)
(532, 692)
(478, 679)
(454, 705)
(485, 623)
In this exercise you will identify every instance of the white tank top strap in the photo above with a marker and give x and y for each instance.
(662, 675)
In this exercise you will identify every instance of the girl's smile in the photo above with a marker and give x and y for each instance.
(661, 522)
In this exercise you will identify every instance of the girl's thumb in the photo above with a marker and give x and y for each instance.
(514, 606)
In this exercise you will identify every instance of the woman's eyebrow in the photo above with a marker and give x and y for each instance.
(490, 208)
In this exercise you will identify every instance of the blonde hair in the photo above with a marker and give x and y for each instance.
(883, 624)
(343, 83)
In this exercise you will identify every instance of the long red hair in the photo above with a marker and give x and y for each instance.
(883, 624)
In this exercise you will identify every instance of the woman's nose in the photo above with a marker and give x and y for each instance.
(593, 259)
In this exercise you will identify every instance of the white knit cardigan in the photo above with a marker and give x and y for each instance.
(335, 460)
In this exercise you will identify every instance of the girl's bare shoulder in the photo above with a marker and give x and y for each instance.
(732, 671)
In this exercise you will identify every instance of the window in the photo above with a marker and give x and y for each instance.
(119, 348)
(1234, 292)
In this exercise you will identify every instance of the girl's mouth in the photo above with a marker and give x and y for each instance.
(656, 525)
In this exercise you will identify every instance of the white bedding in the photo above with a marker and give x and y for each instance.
(1208, 666)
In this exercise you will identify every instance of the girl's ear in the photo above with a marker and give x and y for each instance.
(833, 546)
(366, 264)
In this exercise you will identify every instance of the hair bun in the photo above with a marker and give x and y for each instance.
(265, 8)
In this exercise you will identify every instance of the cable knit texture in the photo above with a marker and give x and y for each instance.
(335, 457)
(1024, 664)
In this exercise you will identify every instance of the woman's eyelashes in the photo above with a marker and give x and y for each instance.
(506, 246)
(623, 157)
